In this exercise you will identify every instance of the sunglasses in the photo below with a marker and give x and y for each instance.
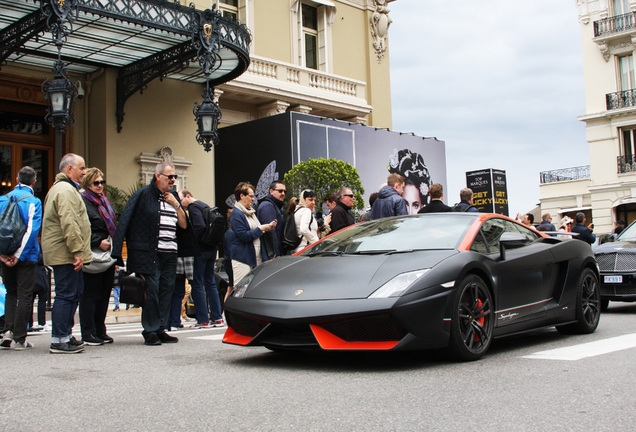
(99, 182)
(170, 176)
(349, 195)
(280, 190)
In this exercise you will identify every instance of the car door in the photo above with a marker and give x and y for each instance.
(524, 280)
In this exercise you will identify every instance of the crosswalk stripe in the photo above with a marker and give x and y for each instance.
(589, 349)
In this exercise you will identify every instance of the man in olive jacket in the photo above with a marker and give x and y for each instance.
(66, 245)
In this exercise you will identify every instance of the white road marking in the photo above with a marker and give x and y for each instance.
(590, 349)
(211, 337)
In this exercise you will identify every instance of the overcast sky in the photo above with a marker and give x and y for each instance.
(500, 81)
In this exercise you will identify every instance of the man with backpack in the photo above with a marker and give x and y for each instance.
(202, 217)
(466, 203)
(269, 209)
(19, 266)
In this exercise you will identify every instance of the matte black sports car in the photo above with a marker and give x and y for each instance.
(617, 263)
(445, 280)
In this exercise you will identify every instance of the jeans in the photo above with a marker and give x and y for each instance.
(159, 288)
(93, 305)
(18, 280)
(69, 286)
(204, 279)
(177, 298)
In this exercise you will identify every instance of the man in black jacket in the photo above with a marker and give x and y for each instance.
(436, 205)
(584, 233)
(341, 216)
(269, 209)
(208, 314)
(154, 224)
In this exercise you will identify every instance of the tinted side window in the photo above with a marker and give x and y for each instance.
(492, 230)
(529, 233)
(479, 244)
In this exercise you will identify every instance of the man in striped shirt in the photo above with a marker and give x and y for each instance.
(152, 223)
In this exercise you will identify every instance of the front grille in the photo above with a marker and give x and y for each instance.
(374, 328)
(617, 290)
(617, 261)
(243, 325)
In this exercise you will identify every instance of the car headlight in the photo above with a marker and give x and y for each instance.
(241, 287)
(398, 284)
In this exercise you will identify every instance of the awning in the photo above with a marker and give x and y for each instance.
(574, 209)
(144, 39)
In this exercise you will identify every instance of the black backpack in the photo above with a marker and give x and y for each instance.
(214, 225)
(12, 226)
(291, 239)
(462, 207)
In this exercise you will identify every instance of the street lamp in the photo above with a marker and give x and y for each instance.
(207, 116)
(206, 39)
(61, 95)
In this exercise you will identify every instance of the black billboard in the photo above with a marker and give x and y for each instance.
(490, 194)
(263, 150)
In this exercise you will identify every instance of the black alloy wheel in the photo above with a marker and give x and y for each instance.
(472, 320)
(588, 305)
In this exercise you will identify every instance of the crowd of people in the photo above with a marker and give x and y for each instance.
(82, 242)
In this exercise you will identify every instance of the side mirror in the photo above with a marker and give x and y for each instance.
(510, 240)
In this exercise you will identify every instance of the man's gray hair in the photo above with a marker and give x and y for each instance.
(27, 175)
(67, 159)
(341, 192)
(161, 167)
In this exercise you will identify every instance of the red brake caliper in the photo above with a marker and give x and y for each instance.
(480, 320)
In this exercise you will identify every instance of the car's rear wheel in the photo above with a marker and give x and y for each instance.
(472, 320)
(588, 305)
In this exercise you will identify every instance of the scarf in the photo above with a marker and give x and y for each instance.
(105, 210)
(253, 222)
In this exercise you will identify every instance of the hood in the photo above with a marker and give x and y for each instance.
(335, 277)
(612, 247)
(387, 191)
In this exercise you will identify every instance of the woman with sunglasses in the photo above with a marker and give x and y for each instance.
(97, 286)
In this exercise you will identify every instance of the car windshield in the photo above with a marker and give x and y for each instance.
(628, 233)
(396, 235)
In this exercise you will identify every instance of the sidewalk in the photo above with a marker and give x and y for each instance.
(132, 315)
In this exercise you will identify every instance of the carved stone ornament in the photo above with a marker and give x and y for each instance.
(380, 22)
(148, 161)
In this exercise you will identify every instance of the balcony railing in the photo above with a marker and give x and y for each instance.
(615, 24)
(621, 99)
(565, 174)
(626, 164)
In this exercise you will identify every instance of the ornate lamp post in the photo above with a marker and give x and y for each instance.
(206, 39)
(60, 93)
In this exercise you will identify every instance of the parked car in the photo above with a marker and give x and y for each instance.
(617, 263)
(445, 280)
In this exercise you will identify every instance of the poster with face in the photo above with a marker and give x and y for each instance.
(264, 150)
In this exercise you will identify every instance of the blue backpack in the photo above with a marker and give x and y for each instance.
(12, 226)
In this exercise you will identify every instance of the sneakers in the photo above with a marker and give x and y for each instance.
(107, 339)
(116, 309)
(152, 339)
(199, 325)
(46, 328)
(75, 342)
(7, 339)
(65, 348)
(22, 346)
(92, 341)
(218, 323)
(34, 328)
(166, 338)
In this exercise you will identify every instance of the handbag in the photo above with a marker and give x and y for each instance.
(102, 260)
(132, 289)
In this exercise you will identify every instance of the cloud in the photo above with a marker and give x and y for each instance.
(500, 82)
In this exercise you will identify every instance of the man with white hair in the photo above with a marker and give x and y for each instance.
(154, 224)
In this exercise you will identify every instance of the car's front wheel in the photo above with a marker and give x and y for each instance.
(588, 305)
(472, 320)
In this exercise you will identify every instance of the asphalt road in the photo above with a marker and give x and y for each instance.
(201, 384)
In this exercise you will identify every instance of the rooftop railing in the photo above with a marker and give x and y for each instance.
(565, 174)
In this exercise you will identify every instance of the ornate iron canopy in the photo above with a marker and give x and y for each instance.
(144, 39)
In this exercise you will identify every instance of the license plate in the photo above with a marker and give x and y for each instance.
(613, 279)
